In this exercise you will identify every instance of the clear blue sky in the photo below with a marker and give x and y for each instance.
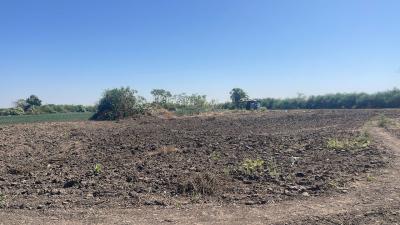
(69, 51)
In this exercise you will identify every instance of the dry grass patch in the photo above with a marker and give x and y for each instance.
(165, 150)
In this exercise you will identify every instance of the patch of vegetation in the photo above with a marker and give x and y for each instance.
(2, 200)
(362, 141)
(383, 121)
(273, 170)
(385, 99)
(227, 171)
(33, 106)
(370, 178)
(200, 184)
(119, 103)
(182, 104)
(97, 169)
(58, 117)
(215, 156)
(253, 167)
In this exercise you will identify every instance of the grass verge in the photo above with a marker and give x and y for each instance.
(56, 117)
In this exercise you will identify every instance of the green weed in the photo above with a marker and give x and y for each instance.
(273, 169)
(2, 200)
(361, 141)
(253, 167)
(215, 156)
(370, 178)
(383, 121)
(97, 169)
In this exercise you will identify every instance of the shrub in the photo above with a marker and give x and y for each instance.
(16, 111)
(253, 167)
(119, 103)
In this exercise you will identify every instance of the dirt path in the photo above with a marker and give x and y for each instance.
(371, 201)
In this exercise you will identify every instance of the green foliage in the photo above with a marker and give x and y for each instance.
(161, 96)
(97, 169)
(16, 111)
(273, 170)
(2, 200)
(253, 167)
(46, 109)
(33, 100)
(370, 178)
(362, 141)
(383, 121)
(386, 99)
(237, 95)
(215, 155)
(119, 103)
(182, 104)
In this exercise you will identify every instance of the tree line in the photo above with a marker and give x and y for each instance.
(124, 102)
(385, 99)
(33, 105)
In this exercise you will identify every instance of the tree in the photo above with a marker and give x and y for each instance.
(33, 100)
(21, 103)
(238, 95)
(161, 96)
(118, 103)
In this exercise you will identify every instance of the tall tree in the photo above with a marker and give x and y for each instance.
(33, 100)
(161, 96)
(238, 95)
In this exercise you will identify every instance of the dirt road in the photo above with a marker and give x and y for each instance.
(373, 200)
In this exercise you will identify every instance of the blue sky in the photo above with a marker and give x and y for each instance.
(69, 51)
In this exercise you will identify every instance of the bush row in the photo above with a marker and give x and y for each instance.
(386, 99)
(46, 109)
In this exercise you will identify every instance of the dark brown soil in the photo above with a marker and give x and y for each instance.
(384, 215)
(175, 162)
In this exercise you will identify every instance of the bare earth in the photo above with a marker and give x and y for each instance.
(372, 201)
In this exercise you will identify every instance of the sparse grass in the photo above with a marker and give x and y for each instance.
(2, 200)
(98, 168)
(199, 185)
(253, 167)
(215, 156)
(273, 170)
(370, 178)
(383, 121)
(333, 184)
(54, 117)
(361, 141)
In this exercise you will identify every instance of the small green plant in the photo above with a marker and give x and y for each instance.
(333, 184)
(273, 169)
(253, 167)
(383, 121)
(336, 144)
(228, 170)
(2, 200)
(215, 156)
(361, 141)
(370, 178)
(97, 169)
